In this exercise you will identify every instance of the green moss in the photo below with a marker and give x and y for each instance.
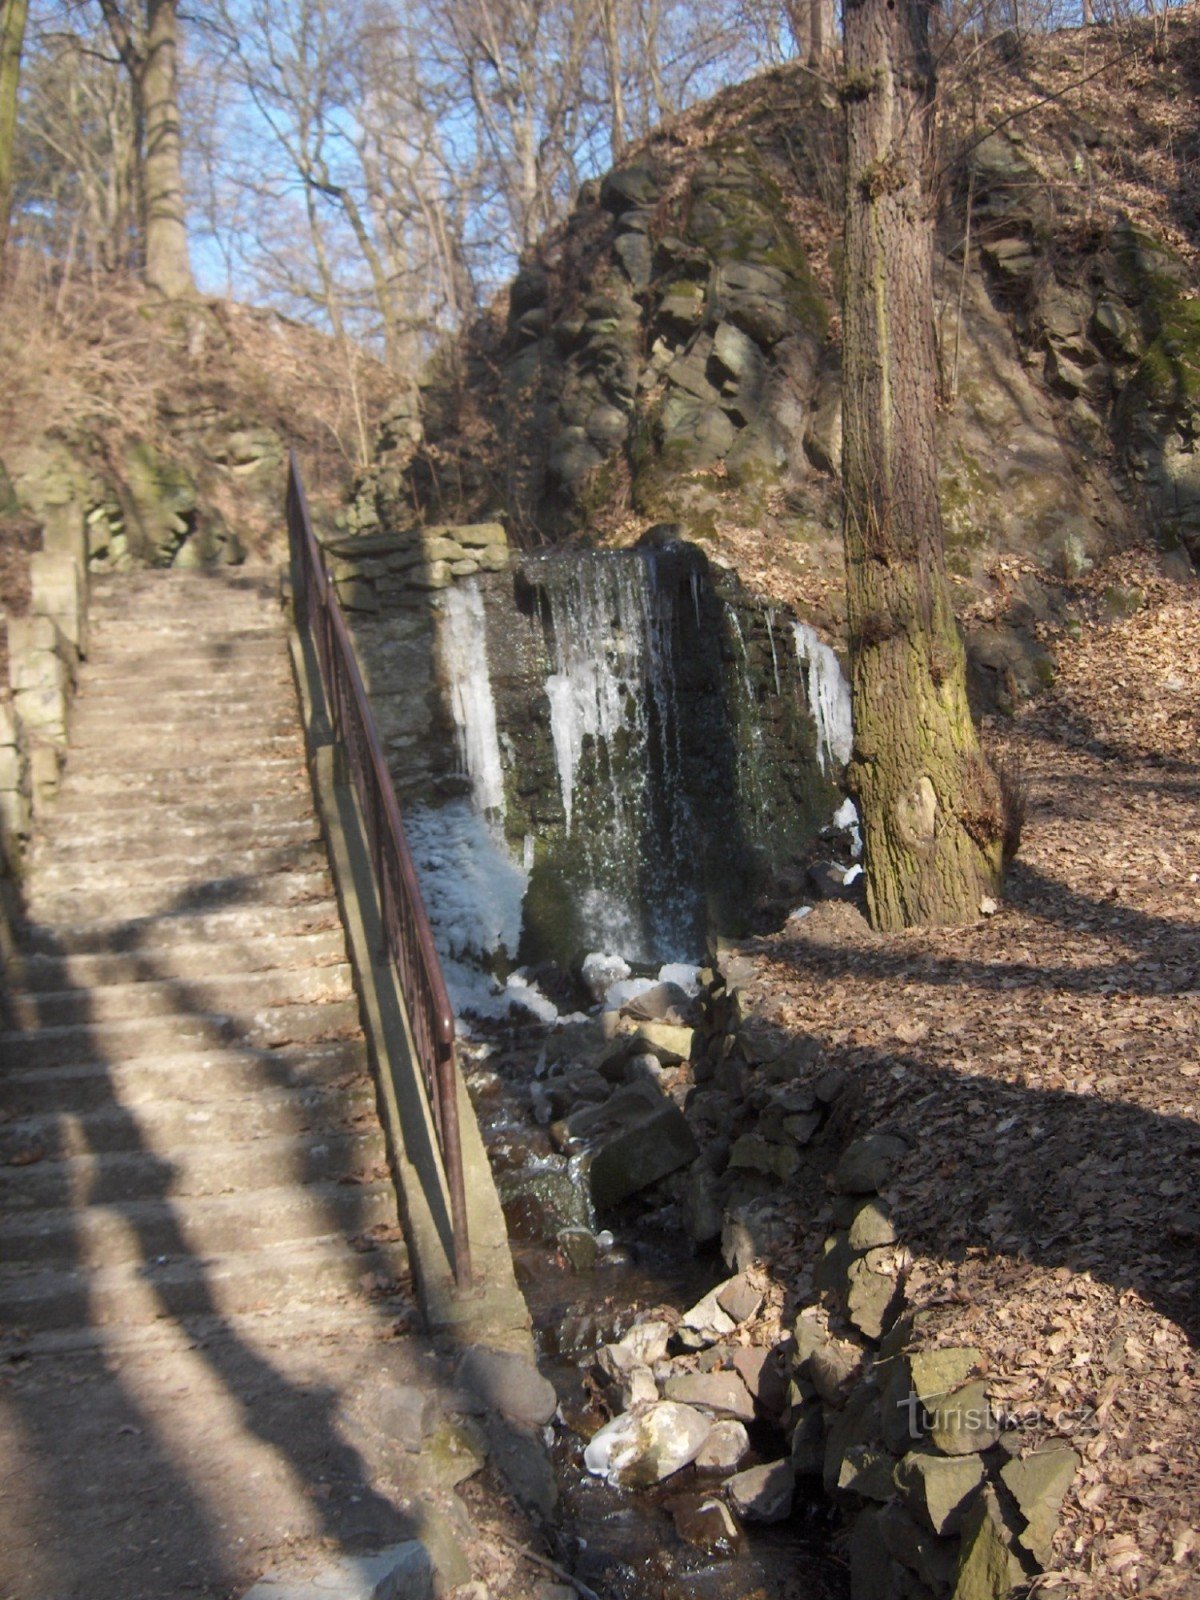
(964, 491)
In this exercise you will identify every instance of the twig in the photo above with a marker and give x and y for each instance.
(544, 1561)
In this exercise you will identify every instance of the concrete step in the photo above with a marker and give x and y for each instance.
(234, 994)
(186, 1077)
(83, 792)
(267, 1028)
(349, 1320)
(94, 727)
(42, 974)
(177, 897)
(164, 1124)
(138, 934)
(315, 1271)
(138, 1230)
(266, 1163)
(235, 823)
(176, 865)
(149, 753)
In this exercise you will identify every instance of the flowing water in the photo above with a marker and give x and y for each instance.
(645, 749)
(623, 1544)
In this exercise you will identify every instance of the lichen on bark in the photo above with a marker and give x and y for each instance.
(932, 819)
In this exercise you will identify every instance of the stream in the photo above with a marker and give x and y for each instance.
(624, 1544)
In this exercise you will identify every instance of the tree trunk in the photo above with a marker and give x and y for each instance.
(12, 39)
(167, 267)
(931, 812)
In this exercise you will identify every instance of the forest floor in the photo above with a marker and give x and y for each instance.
(1044, 1065)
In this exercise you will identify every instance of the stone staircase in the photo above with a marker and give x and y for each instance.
(187, 1123)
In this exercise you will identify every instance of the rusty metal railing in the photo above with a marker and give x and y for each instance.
(407, 934)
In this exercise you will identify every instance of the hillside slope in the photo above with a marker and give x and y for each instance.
(671, 354)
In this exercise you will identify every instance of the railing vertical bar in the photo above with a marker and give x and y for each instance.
(407, 936)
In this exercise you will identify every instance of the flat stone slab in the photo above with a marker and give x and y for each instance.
(401, 1572)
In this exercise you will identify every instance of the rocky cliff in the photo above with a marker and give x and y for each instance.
(671, 354)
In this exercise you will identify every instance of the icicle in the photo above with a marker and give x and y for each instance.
(828, 698)
(774, 657)
(462, 645)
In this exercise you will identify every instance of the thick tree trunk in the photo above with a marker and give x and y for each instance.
(12, 39)
(167, 266)
(931, 811)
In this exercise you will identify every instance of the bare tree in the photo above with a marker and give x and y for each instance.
(13, 14)
(146, 38)
(931, 809)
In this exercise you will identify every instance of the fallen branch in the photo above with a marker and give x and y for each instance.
(544, 1561)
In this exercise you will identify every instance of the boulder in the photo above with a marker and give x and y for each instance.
(706, 1522)
(963, 1421)
(714, 1391)
(508, 1383)
(937, 1488)
(633, 1157)
(871, 1226)
(763, 1494)
(1038, 1482)
(725, 1448)
(739, 1297)
(872, 1297)
(867, 1164)
(643, 1447)
(987, 1567)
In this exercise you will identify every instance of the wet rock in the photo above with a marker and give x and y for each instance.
(1038, 1482)
(663, 1002)
(725, 1448)
(520, 1455)
(508, 1383)
(643, 1447)
(579, 1247)
(706, 1522)
(702, 1212)
(867, 1164)
(636, 1156)
(645, 1069)
(763, 1494)
(936, 1488)
(599, 972)
(715, 1391)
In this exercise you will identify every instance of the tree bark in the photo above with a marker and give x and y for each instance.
(13, 15)
(150, 53)
(932, 819)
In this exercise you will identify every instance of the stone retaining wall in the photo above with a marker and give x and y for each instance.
(942, 1493)
(44, 651)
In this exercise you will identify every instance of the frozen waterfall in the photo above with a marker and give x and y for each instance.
(828, 698)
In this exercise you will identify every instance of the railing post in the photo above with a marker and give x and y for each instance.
(406, 935)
